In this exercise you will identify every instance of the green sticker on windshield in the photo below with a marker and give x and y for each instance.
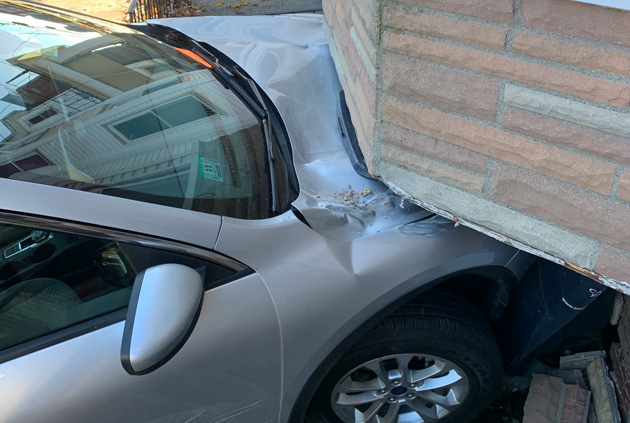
(209, 169)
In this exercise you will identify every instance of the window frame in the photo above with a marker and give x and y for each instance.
(115, 235)
(28, 156)
(111, 126)
(20, 168)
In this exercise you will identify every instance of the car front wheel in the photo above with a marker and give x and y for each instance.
(435, 360)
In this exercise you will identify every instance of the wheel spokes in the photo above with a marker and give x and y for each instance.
(402, 364)
(358, 399)
(447, 401)
(448, 379)
(377, 367)
(365, 416)
(401, 388)
(349, 385)
(420, 375)
(428, 414)
(391, 416)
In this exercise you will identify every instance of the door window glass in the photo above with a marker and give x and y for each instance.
(52, 280)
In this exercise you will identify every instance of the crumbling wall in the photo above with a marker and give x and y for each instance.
(511, 116)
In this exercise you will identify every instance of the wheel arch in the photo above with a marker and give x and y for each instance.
(496, 285)
(488, 288)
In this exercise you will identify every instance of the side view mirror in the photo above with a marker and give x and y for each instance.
(163, 310)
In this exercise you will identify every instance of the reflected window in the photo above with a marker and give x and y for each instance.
(31, 162)
(42, 116)
(176, 113)
(34, 161)
(8, 170)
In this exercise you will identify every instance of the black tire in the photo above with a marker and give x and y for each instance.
(437, 324)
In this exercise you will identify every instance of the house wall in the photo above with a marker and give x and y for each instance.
(511, 116)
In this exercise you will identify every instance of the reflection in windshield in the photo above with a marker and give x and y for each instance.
(20, 34)
(117, 113)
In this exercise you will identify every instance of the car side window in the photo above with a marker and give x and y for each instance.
(52, 280)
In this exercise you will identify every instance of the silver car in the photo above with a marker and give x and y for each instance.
(187, 234)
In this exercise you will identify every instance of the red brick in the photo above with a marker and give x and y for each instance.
(494, 64)
(369, 13)
(572, 53)
(446, 152)
(603, 392)
(575, 405)
(343, 23)
(593, 142)
(431, 168)
(344, 10)
(328, 6)
(366, 38)
(624, 186)
(361, 112)
(452, 29)
(366, 142)
(613, 264)
(363, 92)
(494, 10)
(544, 400)
(368, 91)
(443, 88)
(335, 20)
(576, 210)
(352, 60)
(578, 19)
(368, 117)
(620, 358)
(561, 164)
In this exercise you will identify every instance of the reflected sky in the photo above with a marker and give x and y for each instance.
(20, 35)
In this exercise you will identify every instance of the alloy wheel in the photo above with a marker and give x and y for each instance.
(402, 388)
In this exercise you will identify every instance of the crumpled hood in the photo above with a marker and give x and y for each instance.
(288, 56)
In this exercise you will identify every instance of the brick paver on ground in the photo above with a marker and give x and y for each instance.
(545, 400)
(620, 358)
(551, 400)
(604, 397)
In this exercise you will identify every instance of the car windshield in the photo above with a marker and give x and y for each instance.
(105, 109)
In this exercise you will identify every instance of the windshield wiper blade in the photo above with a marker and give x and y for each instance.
(178, 39)
(266, 124)
(227, 78)
(257, 105)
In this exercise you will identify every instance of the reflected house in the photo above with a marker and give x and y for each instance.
(116, 115)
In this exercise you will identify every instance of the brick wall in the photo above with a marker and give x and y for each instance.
(509, 115)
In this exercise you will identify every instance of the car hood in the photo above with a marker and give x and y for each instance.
(288, 56)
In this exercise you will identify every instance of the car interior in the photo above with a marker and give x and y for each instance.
(51, 280)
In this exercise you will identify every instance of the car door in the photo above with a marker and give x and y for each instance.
(64, 291)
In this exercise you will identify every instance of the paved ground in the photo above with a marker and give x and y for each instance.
(115, 10)
(255, 7)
